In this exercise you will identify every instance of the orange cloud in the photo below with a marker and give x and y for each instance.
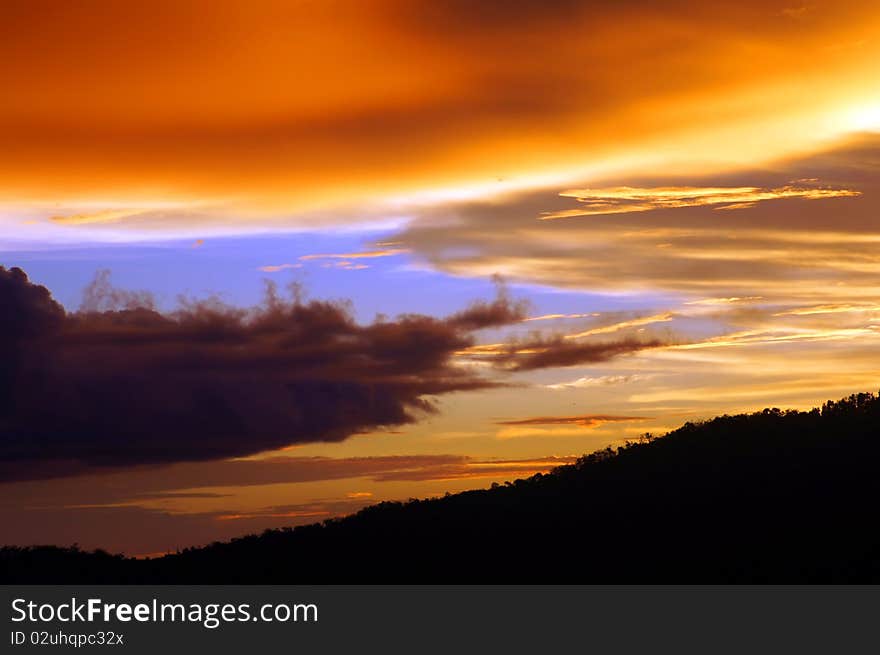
(281, 515)
(390, 252)
(584, 421)
(404, 98)
(343, 260)
(345, 264)
(274, 268)
(477, 469)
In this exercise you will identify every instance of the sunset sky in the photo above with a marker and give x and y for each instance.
(313, 255)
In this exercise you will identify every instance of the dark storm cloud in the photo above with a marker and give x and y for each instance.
(129, 385)
(120, 384)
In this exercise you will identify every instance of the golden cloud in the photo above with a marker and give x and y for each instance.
(808, 245)
(625, 200)
(103, 216)
(831, 309)
(724, 301)
(665, 317)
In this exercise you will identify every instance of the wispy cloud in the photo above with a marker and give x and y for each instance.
(623, 325)
(562, 348)
(539, 352)
(625, 199)
(371, 254)
(283, 514)
(725, 301)
(598, 381)
(553, 317)
(830, 309)
(584, 421)
(102, 216)
(275, 268)
(780, 335)
(558, 426)
(348, 260)
(345, 264)
(469, 468)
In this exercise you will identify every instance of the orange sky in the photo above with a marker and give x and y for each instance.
(287, 105)
(691, 186)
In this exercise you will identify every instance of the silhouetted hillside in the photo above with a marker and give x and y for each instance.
(775, 496)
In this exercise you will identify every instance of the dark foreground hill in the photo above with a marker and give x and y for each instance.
(775, 496)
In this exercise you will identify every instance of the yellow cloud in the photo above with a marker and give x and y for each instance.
(600, 381)
(103, 216)
(780, 335)
(636, 322)
(558, 426)
(724, 301)
(830, 309)
(625, 199)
